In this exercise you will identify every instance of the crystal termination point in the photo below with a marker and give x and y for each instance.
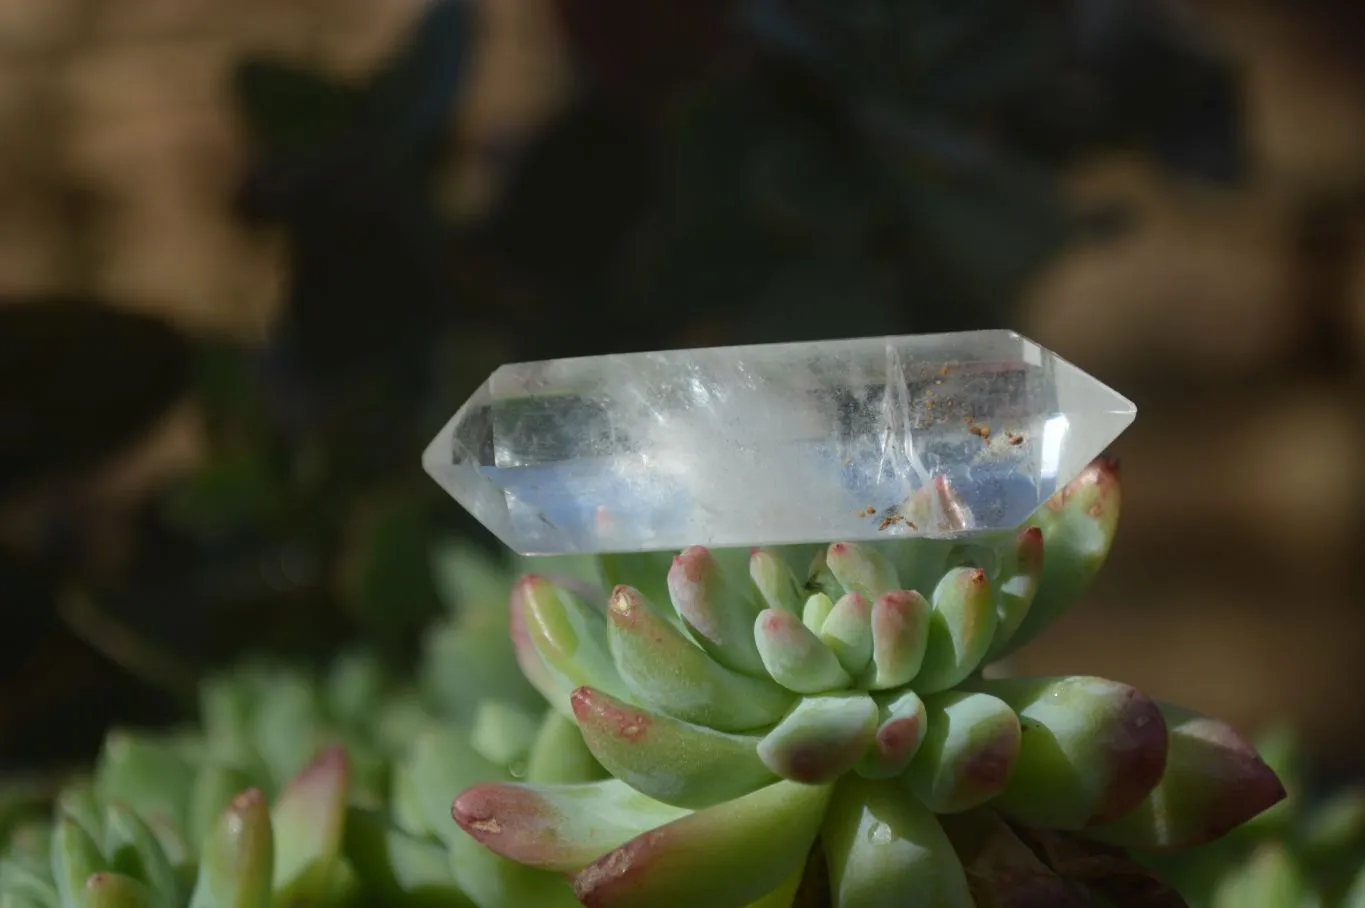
(938, 435)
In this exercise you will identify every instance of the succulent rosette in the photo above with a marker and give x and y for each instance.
(831, 739)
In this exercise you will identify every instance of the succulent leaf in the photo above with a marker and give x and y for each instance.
(74, 856)
(822, 738)
(1213, 782)
(969, 748)
(900, 637)
(902, 723)
(717, 613)
(1016, 586)
(665, 670)
(78, 801)
(532, 666)
(134, 851)
(558, 827)
(727, 855)
(146, 775)
(815, 611)
(214, 788)
(961, 626)
(886, 850)
(847, 632)
(666, 758)
(794, 657)
(1078, 526)
(236, 865)
(502, 732)
(308, 821)
(862, 569)
(440, 763)
(571, 637)
(774, 581)
(27, 883)
(286, 726)
(107, 889)
(1091, 749)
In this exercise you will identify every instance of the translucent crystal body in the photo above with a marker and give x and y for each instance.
(923, 435)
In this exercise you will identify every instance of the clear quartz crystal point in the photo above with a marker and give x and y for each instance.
(926, 435)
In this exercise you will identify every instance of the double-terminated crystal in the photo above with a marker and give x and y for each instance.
(929, 435)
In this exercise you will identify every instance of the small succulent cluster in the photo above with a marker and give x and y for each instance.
(305, 789)
(834, 740)
(1305, 852)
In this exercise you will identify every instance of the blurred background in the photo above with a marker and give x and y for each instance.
(254, 252)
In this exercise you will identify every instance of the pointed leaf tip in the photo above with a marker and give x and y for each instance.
(961, 627)
(557, 827)
(1214, 781)
(717, 613)
(773, 579)
(236, 867)
(570, 637)
(308, 821)
(861, 569)
(1078, 525)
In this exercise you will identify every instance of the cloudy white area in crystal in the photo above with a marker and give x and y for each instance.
(925, 435)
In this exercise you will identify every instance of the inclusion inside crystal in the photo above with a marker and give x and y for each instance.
(926, 435)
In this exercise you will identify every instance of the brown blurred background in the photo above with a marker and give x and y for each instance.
(1229, 305)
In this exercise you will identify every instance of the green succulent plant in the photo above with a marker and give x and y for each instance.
(775, 741)
(1308, 851)
(310, 788)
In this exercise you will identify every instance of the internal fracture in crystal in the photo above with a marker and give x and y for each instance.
(941, 435)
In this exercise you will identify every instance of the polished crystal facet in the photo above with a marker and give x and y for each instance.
(926, 435)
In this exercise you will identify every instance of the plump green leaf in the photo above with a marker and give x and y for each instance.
(730, 854)
(236, 863)
(968, 751)
(134, 851)
(717, 611)
(794, 656)
(821, 738)
(665, 670)
(961, 626)
(1213, 782)
(1078, 525)
(308, 821)
(558, 827)
(75, 856)
(886, 850)
(1090, 751)
(668, 759)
